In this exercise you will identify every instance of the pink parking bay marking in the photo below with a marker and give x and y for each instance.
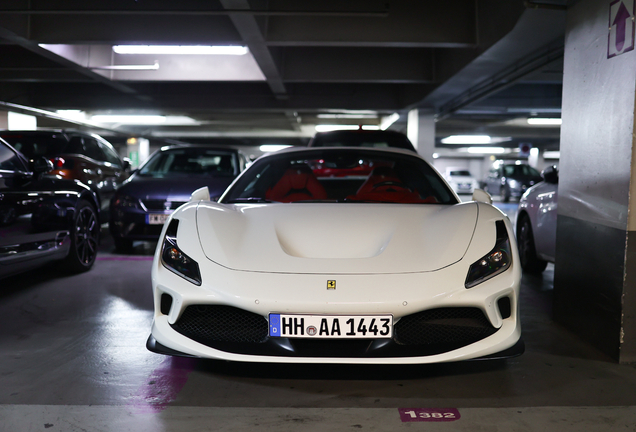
(163, 385)
(125, 258)
(429, 414)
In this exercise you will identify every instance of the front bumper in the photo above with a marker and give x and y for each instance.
(398, 294)
(515, 351)
(131, 224)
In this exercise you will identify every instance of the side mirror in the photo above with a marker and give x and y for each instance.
(127, 165)
(201, 194)
(551, 174)
(482, 196)
(41, 166)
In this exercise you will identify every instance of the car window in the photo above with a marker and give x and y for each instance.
(93, 150)
(520, 170)
(188, 162)
(339, 175)
(9, 161)
(111, 154)
(35, 146)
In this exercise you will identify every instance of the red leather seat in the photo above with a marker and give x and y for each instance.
(384, 185)
(297, 184)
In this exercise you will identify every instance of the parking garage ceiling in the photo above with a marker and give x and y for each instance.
(481, 66)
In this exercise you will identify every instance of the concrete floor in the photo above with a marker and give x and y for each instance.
(74, 359)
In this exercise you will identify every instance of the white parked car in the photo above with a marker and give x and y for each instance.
(461, 180)
(537, 221)
(337, 255)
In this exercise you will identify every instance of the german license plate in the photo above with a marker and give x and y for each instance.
(157, 218)
(331, 326)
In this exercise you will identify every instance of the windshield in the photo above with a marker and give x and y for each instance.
(340, 175)
(191, 162)
(34, 146)
(520, 171)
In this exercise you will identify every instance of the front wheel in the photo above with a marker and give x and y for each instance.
(84, 238)
(530, 263)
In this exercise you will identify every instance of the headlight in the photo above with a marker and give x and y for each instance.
(494, 262)
(175, 260)
(126, 201)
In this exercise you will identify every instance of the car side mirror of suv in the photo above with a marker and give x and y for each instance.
(551, 174)
(41, 166)
(127, 165)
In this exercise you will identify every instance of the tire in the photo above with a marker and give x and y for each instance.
(122, 244)
(505, 194)
(530, 263)
(84, 238)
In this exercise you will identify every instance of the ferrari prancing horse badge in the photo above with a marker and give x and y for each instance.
(331, 284)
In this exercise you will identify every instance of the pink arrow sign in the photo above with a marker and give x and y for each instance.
(621, 27)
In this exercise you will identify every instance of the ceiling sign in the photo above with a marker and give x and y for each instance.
(621, 27)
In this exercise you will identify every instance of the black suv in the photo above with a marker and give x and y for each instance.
(43, 218)
(75, 155)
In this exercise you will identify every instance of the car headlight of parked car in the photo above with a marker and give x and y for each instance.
(175, 260)
(126, 201)
(494, 262)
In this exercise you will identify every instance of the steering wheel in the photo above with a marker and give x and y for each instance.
(392, 183)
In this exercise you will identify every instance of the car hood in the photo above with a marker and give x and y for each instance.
(336, 238)
(173, 188)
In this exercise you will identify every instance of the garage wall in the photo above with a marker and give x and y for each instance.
(591, 274)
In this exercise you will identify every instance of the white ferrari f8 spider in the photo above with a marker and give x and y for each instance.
(337, 255)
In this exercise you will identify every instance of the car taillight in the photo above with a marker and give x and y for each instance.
(58, 162)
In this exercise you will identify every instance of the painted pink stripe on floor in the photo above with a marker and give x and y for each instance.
(163, 385)
(125, 258)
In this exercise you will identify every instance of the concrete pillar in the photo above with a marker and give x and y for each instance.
(595, 270)
(420, 129)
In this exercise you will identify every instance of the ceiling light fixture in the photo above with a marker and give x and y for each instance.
(486, 150)
(552, 154)
(154, 66)
(389, 120)
(347, 116)
(180, 49)
(467, 139)
(545, 121)
(329, 128)
(130, 119)
(269, 148)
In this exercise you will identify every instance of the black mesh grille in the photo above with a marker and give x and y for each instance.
(215, 323)
(161, 204)
(443, 326)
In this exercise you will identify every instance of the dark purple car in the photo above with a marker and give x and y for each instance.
(163, 183)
